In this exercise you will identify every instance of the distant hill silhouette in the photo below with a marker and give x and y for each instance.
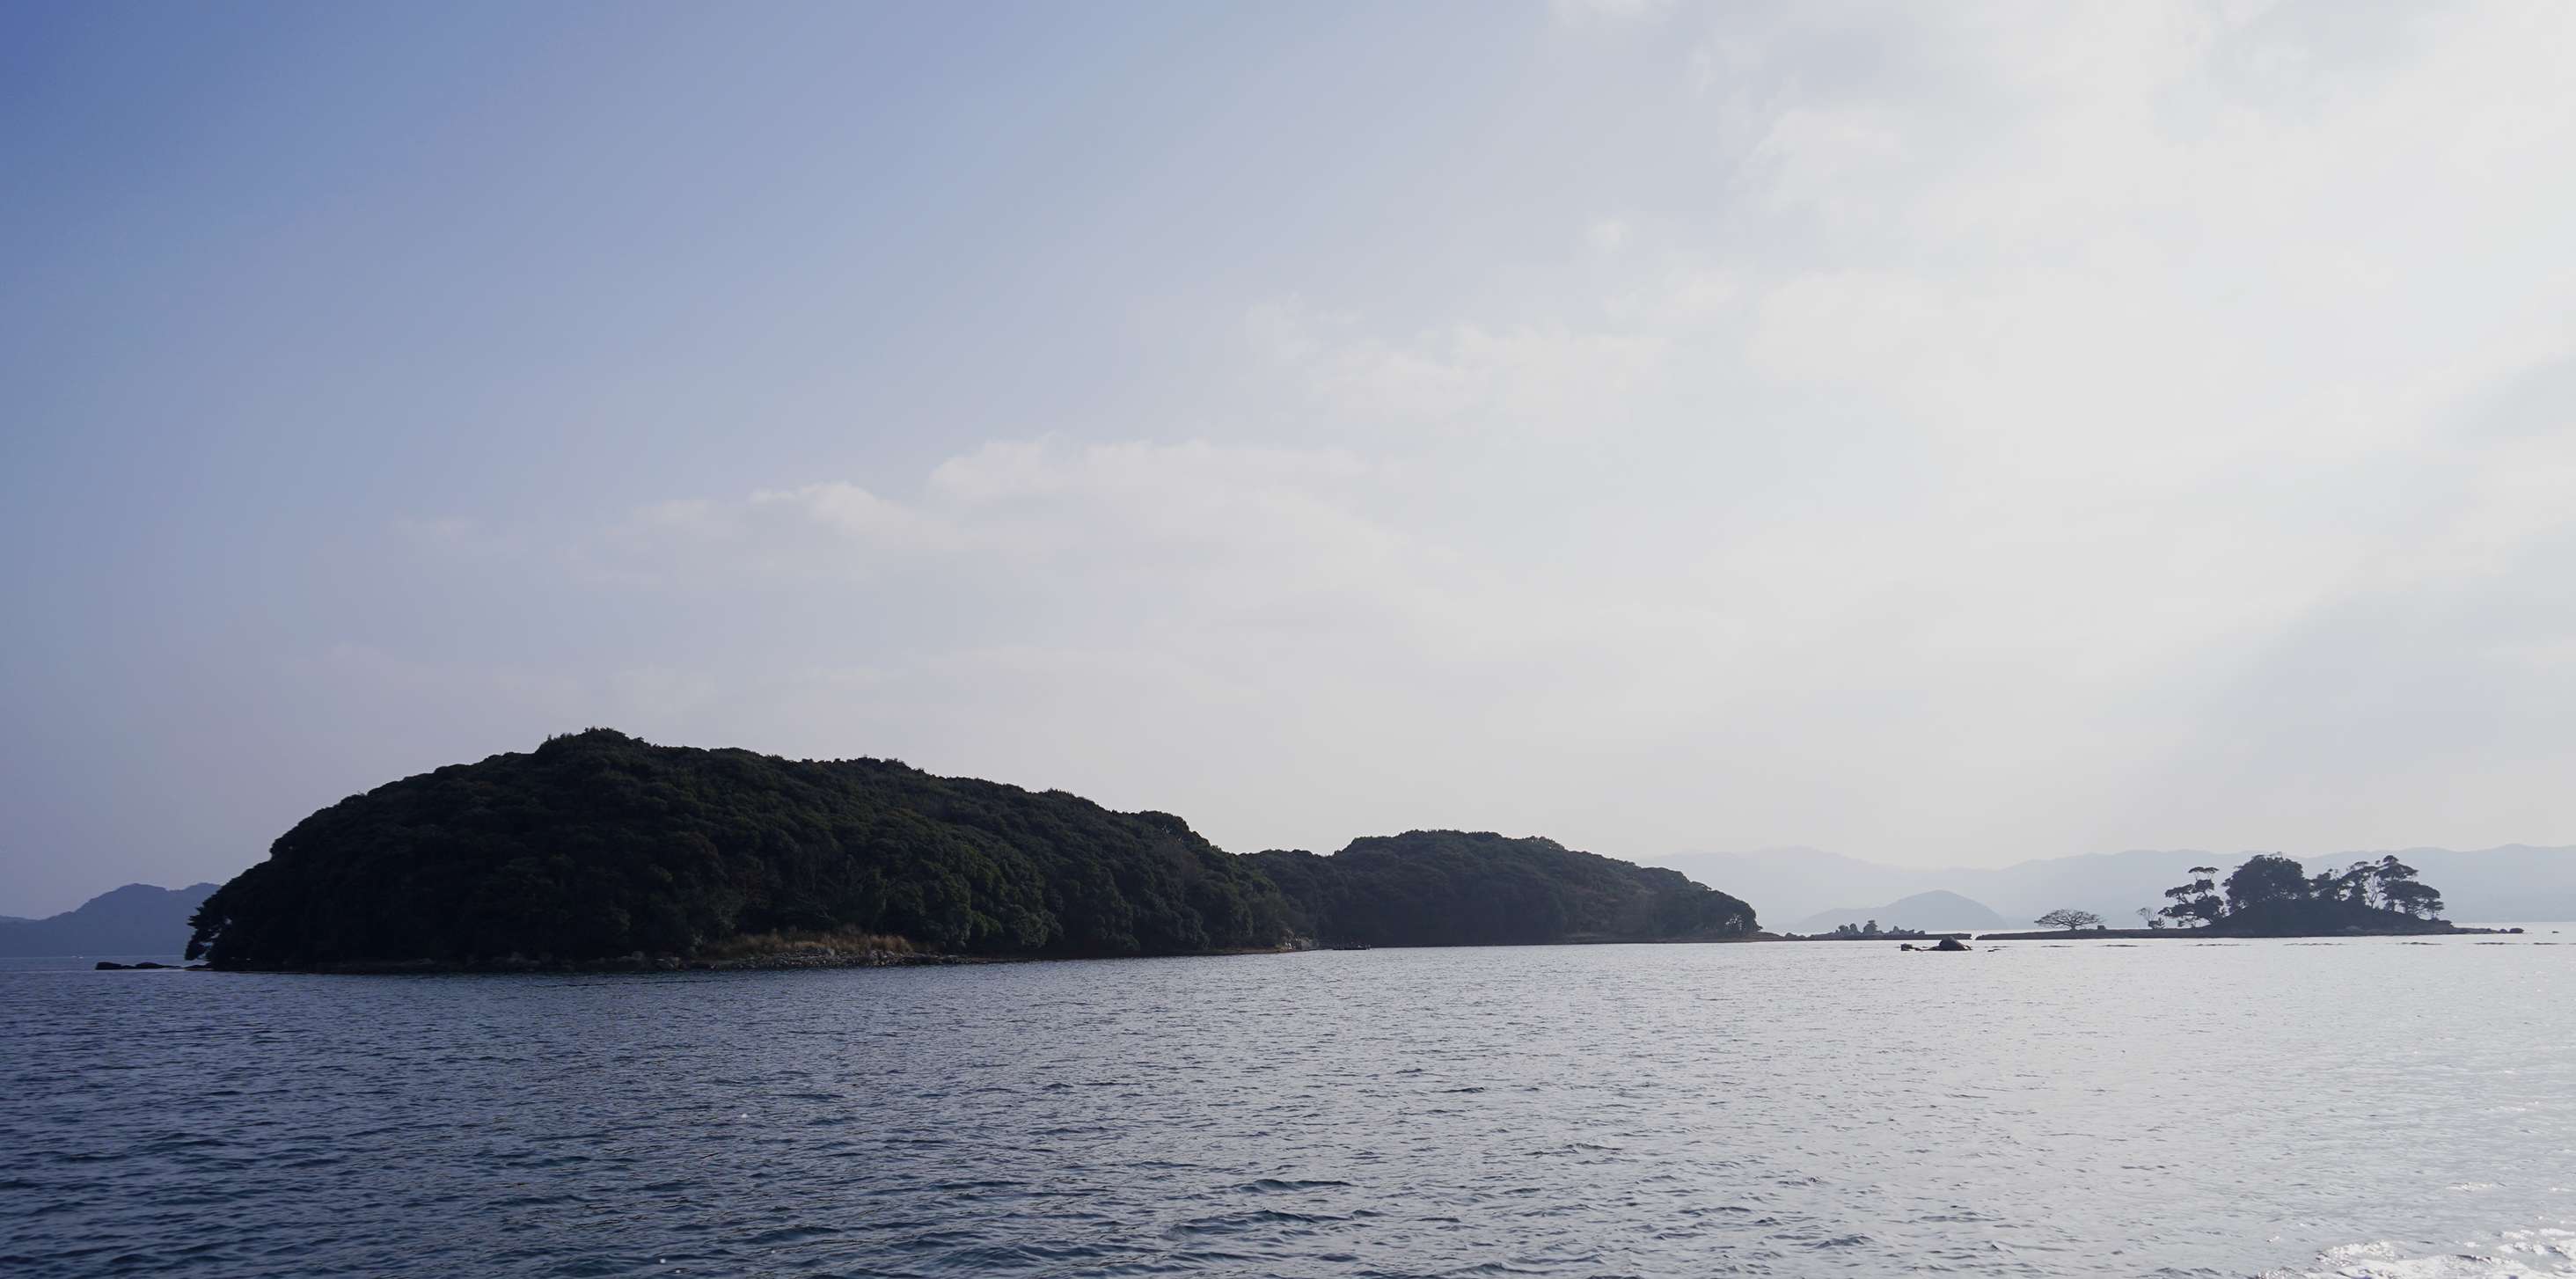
(1935, 911)
(137, 919)
(2508, 884)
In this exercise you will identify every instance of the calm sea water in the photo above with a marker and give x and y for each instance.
(2358, 1107)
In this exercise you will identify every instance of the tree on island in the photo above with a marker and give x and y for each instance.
(2266, 878)
(2070, 920)
(2399, 891)
(2274, 894)
(2194, 902)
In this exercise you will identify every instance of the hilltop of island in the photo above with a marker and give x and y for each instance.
(598, 847)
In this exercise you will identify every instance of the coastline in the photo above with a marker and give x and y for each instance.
(2214, 934)
(1853, 937)
(829, 959)
(629, 964)
(775, 962)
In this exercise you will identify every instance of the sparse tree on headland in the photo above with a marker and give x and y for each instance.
(2070, 920)
(2399, 891)
(2196, 901)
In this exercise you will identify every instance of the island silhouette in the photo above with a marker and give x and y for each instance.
(597, 848)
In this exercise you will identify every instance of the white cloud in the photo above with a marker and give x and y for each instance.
(1972, 438)
(1579, 11)
(859, 515)
(1946, 432)
(1466, 378)
(1825, 160)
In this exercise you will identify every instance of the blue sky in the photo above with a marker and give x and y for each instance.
(1943, 435)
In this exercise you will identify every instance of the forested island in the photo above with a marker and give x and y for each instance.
(2270, 895)
(597, 847)
(1448, 888)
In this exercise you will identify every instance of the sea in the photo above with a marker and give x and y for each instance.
(2365, 1107)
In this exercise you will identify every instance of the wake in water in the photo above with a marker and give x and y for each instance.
(2517, 1254)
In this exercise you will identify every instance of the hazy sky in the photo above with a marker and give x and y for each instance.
(1939, 433)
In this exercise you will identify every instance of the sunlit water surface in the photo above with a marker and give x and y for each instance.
(2354, 1108)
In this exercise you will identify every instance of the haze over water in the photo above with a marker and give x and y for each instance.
(2351, 1107)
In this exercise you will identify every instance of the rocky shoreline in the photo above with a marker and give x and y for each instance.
(776, 961)
(627, 964)
(1930, 937)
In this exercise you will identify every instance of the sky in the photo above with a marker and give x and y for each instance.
(1943, 434)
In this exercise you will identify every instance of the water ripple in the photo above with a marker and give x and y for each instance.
(2350, 1109)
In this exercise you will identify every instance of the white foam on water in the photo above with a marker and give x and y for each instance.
(2516, 1254)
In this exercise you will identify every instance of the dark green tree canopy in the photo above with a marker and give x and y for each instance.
(2273, 894)
(2264, 879)
(1453, 888)
(596, 844)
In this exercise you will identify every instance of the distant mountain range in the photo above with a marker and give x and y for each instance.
(137, 919)
(2511, 884)
(1935, 911)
